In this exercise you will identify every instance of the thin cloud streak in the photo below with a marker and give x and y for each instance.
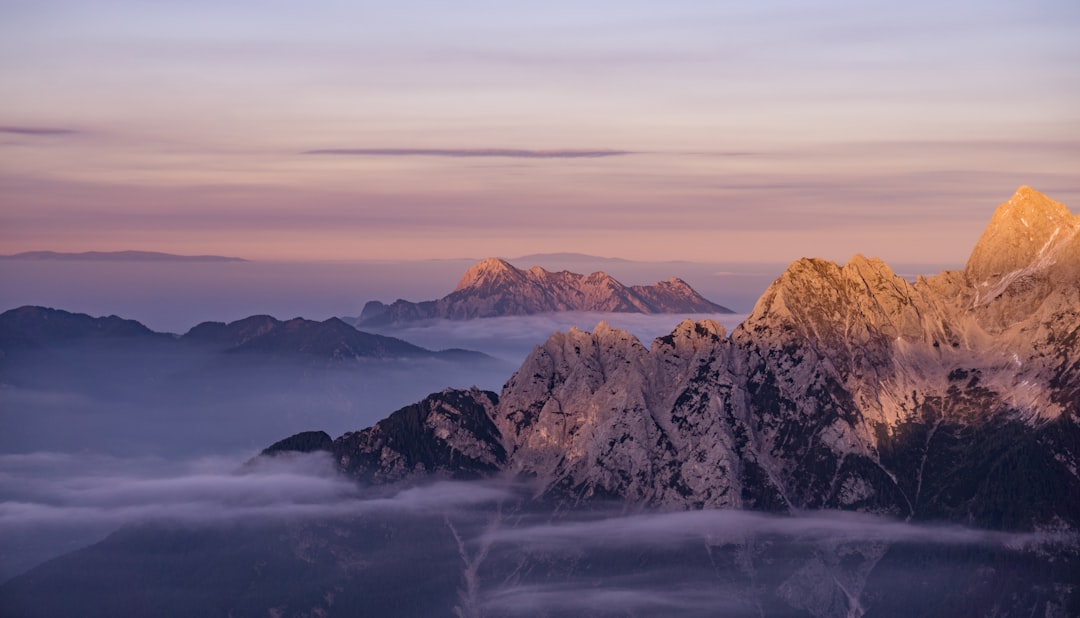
(293, 486)
(575, 598)
(37, 131)
(720, 527)
(512, 153)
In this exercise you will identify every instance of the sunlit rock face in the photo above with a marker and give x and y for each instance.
(495, 288)
(847, 387)
(599, 415)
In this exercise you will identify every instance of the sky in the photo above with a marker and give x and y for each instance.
(417, 129)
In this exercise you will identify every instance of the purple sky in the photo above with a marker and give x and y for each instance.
(756, 131)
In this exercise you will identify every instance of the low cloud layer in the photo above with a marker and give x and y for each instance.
(644, 596)
(512, 338)
(93, 493)
(721, 527)
(512, 153)
(51, 503)
(653, 563)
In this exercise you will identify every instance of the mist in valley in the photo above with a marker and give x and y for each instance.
(289, 532)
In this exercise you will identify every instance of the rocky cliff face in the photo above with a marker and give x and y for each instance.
(847, 387)
(494, 288)
(447, 435)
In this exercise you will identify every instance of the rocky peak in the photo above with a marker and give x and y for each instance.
(448, 434)
(1025, 234)
(487, 272)
(495, 288)
(691, 335)
(598, 277)
(829, 302)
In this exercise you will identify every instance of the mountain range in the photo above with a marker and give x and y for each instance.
(495, 288)
(333, 340)
(953, 400)
(846, 387)
(118, 256)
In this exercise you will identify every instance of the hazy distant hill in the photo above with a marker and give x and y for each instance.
(260, 335)
(332, 339)
(495, 288)
(118, 256)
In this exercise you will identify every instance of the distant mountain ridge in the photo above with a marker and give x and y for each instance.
(117, 256)
(259, 335)
(495, 288)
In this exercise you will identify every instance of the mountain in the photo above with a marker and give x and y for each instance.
(714, 473)
(955, 398)
(118, 256)
(31, 327)
(847, 387)
(262, 335)
(34, 327)
(494, 288)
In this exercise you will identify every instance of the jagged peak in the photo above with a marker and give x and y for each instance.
(808, 269)
(864, 267)
(692, 329)
(601, 332)
(598, 276)
(606, 332)
(859, 260)
(675, 283)
(1023, 232)
(486, 270)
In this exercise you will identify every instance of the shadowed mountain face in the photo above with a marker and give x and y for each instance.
(39, 326)
(494, 288)
(642, 473)
(333, 339)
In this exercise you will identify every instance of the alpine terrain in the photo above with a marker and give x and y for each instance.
(495, 288)
(708, 473)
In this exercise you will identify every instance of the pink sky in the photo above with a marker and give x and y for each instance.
(747, 131)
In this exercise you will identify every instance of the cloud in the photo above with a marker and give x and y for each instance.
(643, 596)
(37, 131)
(103, 491)
(52, 503)
(512, 153)
(512, 338)
(720, 527)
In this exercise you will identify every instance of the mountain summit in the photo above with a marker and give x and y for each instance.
(847, 387)
(495, 288)
(1030, 250)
